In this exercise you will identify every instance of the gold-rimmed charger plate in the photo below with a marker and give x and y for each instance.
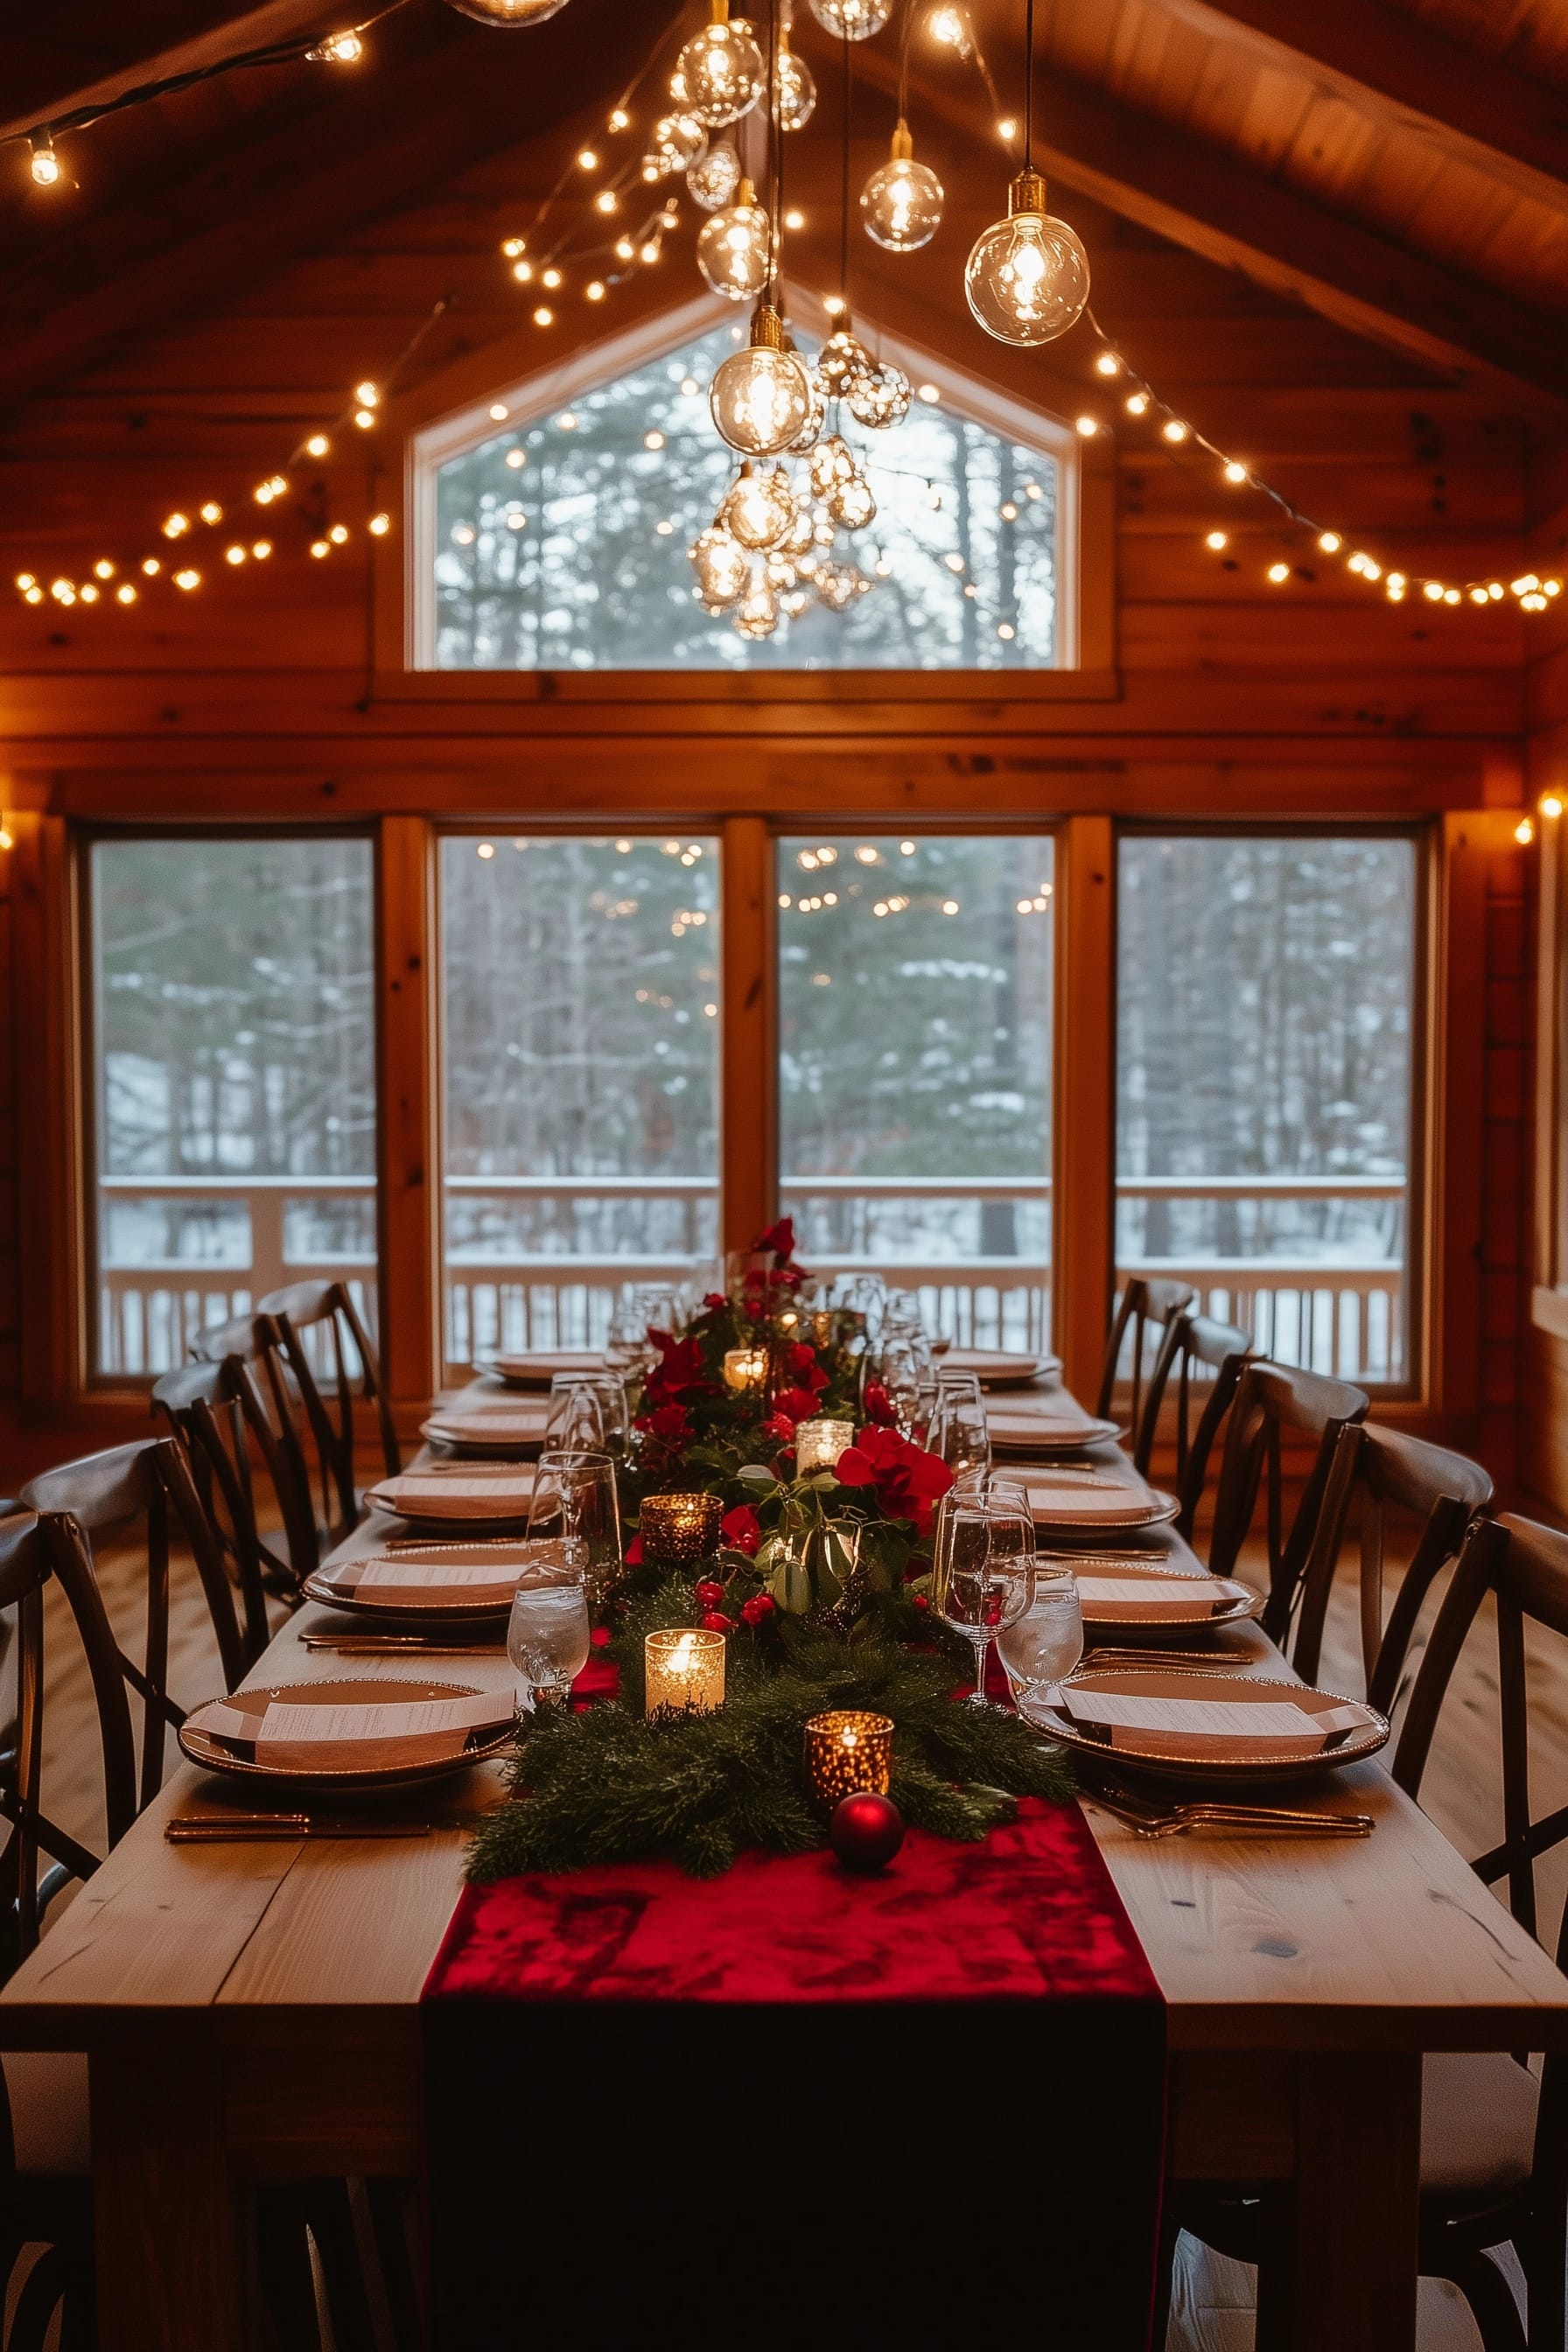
(1156, 1596)
(999, 1367)
(456, 1495)
(378, 1765)
(1089, 1506)
(465, 1580)
(1044, 1436)
(535, 1368)
(1188, 1725)
(491, 1433)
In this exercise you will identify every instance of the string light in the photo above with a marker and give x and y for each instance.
(344, 48)
(45, 163)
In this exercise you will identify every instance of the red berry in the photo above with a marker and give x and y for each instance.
(758, 1609)
(716, 1622)
(710, 1595)
(921, 1603)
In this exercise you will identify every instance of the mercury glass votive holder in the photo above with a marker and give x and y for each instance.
(847, 1751)
(745, 1368)
(820, 1444)
(684, 1668)
(677, 1530)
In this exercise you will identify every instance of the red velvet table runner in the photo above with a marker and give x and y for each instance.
(793, 2100)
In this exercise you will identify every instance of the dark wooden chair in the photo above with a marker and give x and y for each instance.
(1221, 1350)
(1145, 1301)
(1272, 1403)
(148, 1485)
(249, 1356)
(207, 1417)
(1375, 1471)
(1494, 2136)
(319, 1320)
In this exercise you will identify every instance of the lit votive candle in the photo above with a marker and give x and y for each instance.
(820, 1444)
(677, 1529)
(847, 1751)
(684, 1669)
(745, 1368)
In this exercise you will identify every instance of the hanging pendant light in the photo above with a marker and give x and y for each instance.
(678, 141)
(508, 13)
(902, 199)
(759, 510)
(1028, 276)
(851, 504)
(796, 89)
(723, 568)
(852, 20)
(720, 70)
(842, 358)
(879, 396)
(757, 614)
(714, 179)
(760, 397)
(840, 585)
(732, 248)
(831, 462)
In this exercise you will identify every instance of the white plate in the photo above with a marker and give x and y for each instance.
(1157, 1597)
(491, 1432)
(1091, 1508)
(1019, 1434)
(456, 1493)
(999, 1368)
(1192, 1726)
(537, 1367)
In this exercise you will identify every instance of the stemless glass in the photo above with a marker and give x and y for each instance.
(548, 1638)
(1041, 1647)
(574, 1495)
(977, 1591)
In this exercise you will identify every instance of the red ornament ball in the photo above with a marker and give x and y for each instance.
(866, 1831)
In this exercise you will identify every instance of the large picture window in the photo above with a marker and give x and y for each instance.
(915, 990)
(233, 1085)
(580, 1027)
(555, 526)
(1266, 1012)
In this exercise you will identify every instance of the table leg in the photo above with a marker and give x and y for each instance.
(165, 2214)
(1340, 2267)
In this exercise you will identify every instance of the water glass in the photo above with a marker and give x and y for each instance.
(574, 1496)
(898, 1374)
(960, 1435)
(1041, 1647)
(979, 1585)
(597, 1419)
(548, 1637)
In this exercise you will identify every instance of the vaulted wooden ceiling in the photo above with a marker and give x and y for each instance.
(1401, 166)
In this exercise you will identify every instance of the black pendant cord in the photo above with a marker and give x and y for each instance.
(909, 8)
(776, 227)
(844, 185)
(1028, 85)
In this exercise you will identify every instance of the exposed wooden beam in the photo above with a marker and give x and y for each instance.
(1511, 123)
(58, 75)
(377, 144)
(1215, 206)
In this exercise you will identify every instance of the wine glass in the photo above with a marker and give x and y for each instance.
(576, 1422)
(574, 1496)
(548, 1637)
(1041, 1648)
(899, 1377)
(960, 1435)
(979, 1591)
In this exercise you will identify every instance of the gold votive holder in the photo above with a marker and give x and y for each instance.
(677, 1529)
(820, 1444)
(745, 1368)
(684, 1668)
(824, 1325)
(848, 1751)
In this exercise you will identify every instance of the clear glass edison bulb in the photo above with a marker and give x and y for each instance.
(732, 248)
(840, 585)
(722, 73)
(1027, 277)
(714, 180)
(881, 396)
(852, 504)
(761, 400)
(722, 567)
(842, 358)
(759, 510)
(757, 614)
(678, 141)
(509, 11)
(831, 462)
(902, 205)
(797, 91)
(852, 20)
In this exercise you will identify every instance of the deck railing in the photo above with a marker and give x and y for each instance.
(1346, 1317)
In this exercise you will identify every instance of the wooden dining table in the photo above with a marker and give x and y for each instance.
(250, 2013)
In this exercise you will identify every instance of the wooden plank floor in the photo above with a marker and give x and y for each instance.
(1212, 2308)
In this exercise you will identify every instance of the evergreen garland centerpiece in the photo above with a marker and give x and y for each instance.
(820, 1584)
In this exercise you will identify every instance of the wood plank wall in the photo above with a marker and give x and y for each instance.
(1236, 699)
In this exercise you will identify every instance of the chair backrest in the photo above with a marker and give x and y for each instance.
(1375, 1470)
(149, 1484)
(204, 1412)
(1221, 1349)
(1146, 1299)
(27, 1834)
(285, 1433)
(327, 1310)
(1524, 1566)
(1270, 1400)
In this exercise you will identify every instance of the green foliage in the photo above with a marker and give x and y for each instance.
(610, 1785)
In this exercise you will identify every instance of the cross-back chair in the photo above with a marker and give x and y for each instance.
(202, 1411)
(1272, 1403)
(248, 1353)
(320, 1319)
(1146, 1301)
(79, 1504)
(1374, 1470)
(1221, 1349)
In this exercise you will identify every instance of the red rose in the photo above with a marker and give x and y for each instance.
(801, 1357)
(668, 1425)
(679, 1371)
(714, 1622)
(779, 1239)
(759, 1607)
(741, 1529)
(780, 1428)
(907, 1480)
(709, 1594)
(796, 1404)
(715, 1302)
(879, 1405)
